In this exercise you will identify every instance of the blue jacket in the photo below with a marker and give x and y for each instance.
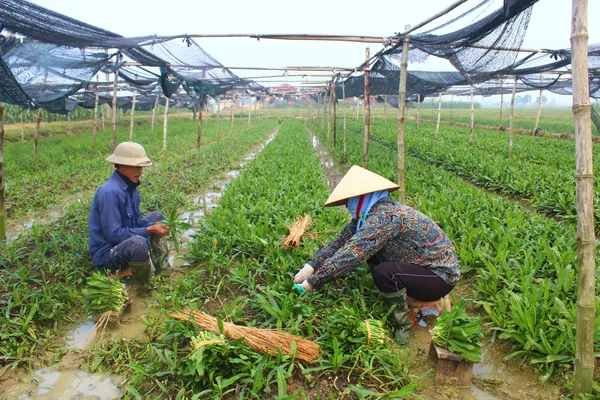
(114, 217)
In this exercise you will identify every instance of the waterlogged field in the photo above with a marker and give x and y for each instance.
(521, 266)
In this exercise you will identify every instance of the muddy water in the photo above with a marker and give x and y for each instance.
(493, 379)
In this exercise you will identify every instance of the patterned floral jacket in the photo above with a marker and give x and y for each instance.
(391, 232)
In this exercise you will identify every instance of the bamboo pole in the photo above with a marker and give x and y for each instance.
(2, 211)
(539, 111)
(432, 99)
(472, 114)
(451, 106)
(385, 112)
(367, 111)
(36, 137)
(249, 109)
(218, 113)
(418, 112)
(95, 129)
(242, 107)
(22, 127)
(69, 130)
(113, 138)
(200, 122)
(344, 97)
(154, 110)
(323, 115)
(310, 110)
(329, 113)
(584, 175)
(164, 148)
(334, 115)
(132, 116)
(401, 117)
(437, 127)
(233, 99)
(357, 107)
(501, 104)
(512, 110)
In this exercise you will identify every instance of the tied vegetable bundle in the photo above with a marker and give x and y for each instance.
(346, 325)
(104, 294)
(459, 333)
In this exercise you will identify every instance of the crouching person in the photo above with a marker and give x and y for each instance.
(121, 240)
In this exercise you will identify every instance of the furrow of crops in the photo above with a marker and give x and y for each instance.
(43, 270)
(548, 185)
(69, 165)
(244, 275)
(523, 266)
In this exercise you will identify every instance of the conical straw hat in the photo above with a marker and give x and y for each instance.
(358, 181)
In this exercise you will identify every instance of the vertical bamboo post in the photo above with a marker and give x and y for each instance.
(329, 112)
(401, 117)
(367, 111)
(36, 137)
(164, 148)
(2, 211)
(22, 127)
(344, 98)
(432, 99)
(242, 107)
(437, 127)
(472, 113)
(95, 129)
(501, 104)
(154, 110)
(357, 106)
(105, 111)
(249, 109)
(512, 111)
(584, 174)
(113, 138)
(334, 115)
(539, 112)
(132, 118)
(310, 109)
(323, 115)
(233, 98)
(69, 130)
(451, 106)
(218, 113)
(418, 112)
(200, 121)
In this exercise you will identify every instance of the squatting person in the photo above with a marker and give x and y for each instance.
(121, 240)
(408, 253)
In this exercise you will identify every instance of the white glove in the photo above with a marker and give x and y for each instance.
(304, 273)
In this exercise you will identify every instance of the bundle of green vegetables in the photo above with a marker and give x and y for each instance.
(459, 333)
(346, 325)
(103, 293)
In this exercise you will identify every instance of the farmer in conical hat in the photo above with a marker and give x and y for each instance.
(121, 240)
(409, 254)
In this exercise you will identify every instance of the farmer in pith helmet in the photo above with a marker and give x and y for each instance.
(122, 241)
(408, 253)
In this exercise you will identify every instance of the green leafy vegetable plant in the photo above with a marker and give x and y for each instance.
(459, 333)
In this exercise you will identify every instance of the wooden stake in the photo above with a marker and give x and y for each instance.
(69, 131)
(584, 175)
(501, 104)
(323, 115)
(357, 105)
(233, 99)
(242, 107)
(367, 112)
(113, 138)
(437, 127)
(472, 114)
(512, 110)
(95, 130)
(2, 211)
(22, 127)
(537, 119)
(418, 112)
(329, 113)
(164, 148)
(218, 113)
(432, 110)
(334, 115)
(451, 106)
(200, 122)
(132, 114)
(154, 110)
(401, 117)
(36, 137)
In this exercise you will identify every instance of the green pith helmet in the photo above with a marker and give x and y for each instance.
(129, 153)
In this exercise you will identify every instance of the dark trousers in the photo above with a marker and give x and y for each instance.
(134, 249)
(421, 283)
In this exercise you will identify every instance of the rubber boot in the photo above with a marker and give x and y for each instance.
(159, 253)
(141, 273)
(399, 316)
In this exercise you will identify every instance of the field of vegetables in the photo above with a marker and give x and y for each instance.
(516, 243)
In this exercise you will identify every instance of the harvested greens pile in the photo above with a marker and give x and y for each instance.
(103, 294)
(459, 333)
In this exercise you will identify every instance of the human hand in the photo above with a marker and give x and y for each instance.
(304, 273)
(302, 288)
(159, 229)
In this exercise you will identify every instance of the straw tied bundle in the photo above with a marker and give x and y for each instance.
(297, 229)
(263, 340)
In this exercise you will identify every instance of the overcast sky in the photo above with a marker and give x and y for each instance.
(549, 27)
